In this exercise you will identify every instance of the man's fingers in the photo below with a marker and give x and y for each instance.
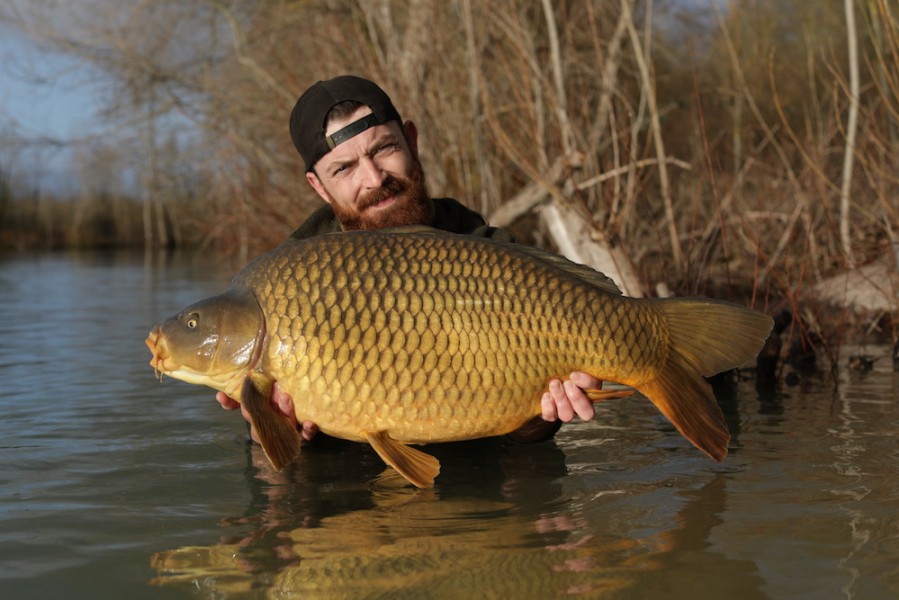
(226, 401)
(566, 399)
(548, 408)
(283, 402)
(579, 403)
(585, 381)
(563, 404)
(308, 430)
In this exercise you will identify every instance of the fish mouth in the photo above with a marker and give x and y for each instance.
(157, 348)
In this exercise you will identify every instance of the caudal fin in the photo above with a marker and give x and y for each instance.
(707, 337)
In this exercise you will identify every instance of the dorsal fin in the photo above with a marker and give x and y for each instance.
(413, 229)
(582, 272)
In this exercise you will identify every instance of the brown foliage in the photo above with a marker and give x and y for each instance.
(718, 135)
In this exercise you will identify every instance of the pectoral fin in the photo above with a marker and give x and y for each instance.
(416, 466)
(600, 395)
(278, 436)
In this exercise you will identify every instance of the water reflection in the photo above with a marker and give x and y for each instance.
(513, 533)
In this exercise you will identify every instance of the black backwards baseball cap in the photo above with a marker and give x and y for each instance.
(307, 120)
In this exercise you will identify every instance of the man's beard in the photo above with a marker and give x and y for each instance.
(411, 206)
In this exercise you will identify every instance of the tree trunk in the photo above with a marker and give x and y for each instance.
(574, 238)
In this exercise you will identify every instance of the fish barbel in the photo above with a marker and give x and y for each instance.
(414, 335)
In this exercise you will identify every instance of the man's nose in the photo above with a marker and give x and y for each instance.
(373, 175)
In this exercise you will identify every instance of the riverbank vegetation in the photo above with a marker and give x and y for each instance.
(749, 144)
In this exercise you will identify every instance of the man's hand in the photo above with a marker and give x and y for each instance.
(560, 402)
(564, 399)
(281, 401)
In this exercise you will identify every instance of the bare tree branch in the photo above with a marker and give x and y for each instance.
(646, 79)
(851, 132)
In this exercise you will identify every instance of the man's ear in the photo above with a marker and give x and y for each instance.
(410, 131)
(316, 184)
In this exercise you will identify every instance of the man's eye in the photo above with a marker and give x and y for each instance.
(387, 147)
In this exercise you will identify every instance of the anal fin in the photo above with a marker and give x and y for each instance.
(418, 467)
(278, 436)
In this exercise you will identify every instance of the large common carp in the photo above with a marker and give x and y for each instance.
(413, 335)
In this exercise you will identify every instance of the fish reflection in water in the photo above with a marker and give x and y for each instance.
(512, 533)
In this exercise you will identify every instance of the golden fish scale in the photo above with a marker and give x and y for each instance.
(437, 338)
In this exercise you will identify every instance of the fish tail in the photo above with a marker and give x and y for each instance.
(706, 337)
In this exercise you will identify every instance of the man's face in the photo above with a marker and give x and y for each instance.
(374, 179)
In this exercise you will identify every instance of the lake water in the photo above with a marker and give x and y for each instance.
(113, 485)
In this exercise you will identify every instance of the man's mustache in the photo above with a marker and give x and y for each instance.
(391, 187)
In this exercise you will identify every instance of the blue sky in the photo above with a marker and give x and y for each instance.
(44, 98)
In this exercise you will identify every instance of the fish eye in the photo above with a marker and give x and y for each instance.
(193, 320)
